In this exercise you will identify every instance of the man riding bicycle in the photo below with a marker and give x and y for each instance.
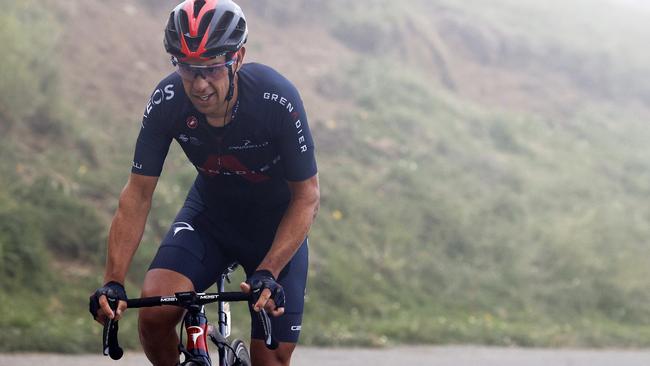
(255, 196)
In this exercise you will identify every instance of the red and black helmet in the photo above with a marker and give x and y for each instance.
(199, 30)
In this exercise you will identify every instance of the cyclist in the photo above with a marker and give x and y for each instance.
(244, 128)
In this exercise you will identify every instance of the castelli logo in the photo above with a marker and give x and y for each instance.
(192, 122)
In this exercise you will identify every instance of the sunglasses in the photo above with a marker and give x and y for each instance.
(212, 72)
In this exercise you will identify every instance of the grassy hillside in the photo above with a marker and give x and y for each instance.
(484, 166)
(520, 226)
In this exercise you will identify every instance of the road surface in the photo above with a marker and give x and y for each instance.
(425, 356)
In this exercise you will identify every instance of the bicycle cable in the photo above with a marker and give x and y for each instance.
(180, 331)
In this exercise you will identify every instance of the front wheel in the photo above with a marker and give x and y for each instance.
(240, 352)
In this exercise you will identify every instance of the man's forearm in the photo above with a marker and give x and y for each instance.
(292, 231)
(124, 238)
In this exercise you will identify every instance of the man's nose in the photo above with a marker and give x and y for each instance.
(199, 83)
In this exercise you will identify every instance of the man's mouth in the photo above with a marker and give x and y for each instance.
(205, 97)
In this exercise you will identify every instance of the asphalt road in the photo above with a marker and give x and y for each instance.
(429, 356)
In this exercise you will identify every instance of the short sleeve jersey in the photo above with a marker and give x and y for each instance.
(249, 161)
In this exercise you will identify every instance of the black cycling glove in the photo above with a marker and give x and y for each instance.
(264, 279)
(112, 290)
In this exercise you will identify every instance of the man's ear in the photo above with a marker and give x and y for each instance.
(240, 57)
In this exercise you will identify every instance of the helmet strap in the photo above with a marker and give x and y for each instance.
(225, 115)
(231, 79)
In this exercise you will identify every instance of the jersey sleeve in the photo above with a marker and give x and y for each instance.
(294, 139)
(154, 139)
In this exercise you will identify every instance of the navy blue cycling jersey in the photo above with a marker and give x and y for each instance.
(246, 164)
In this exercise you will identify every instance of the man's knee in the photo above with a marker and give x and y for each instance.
(154, 322)
(158, 321)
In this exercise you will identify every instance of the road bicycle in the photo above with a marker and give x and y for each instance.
(197, 328)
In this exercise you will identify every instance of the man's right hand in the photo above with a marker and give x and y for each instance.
(99, 306)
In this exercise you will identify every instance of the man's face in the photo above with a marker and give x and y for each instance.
(206, 83)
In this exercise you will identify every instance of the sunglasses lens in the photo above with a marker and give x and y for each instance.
(185, 71)
(189, 72)
(213, 72)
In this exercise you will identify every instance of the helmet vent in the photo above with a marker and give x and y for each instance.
(184, 22)
(171, 26)
(205, 22)
(192, 42)
(198, 4)
(241, 25)
(172, 42)
(224, 22)
(219, 31)
(239, 30)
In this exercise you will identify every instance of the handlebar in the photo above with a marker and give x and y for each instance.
(185, 300)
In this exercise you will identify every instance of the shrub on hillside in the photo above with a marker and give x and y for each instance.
(22, 249)
(71, 229)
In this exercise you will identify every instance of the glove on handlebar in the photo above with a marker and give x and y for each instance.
(112, 289)
(264, 279)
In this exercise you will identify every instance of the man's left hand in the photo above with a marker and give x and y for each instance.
(268, 294)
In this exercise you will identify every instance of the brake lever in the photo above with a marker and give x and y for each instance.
(269, 341)
(111, 346)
